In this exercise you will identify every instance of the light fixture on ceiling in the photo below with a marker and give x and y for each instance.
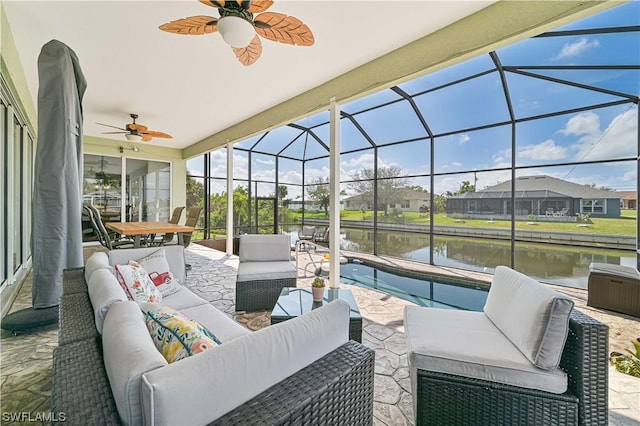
(132, 137)
(236, 31)
(133, 148)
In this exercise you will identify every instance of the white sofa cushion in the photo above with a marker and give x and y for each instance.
(216, 321)
(264, 248)
(174, 254)
(97, 260)
(252, 271)
(534, 317)
(236, 371)
(104, 290)
(468, 344)
(182, 299)
(128, 352)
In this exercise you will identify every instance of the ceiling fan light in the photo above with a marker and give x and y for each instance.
(133, 138)
(236, 31)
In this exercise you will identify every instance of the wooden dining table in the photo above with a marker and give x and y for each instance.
(140, 229)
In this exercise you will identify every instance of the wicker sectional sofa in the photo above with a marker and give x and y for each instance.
(528, 359)
(106, 370)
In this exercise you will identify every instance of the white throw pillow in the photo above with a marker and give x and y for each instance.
(135, 281)
(159, 272)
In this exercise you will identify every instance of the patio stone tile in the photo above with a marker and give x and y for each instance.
(406, 406)
(389, 415)
(386, 390)
(386, 362)
(379, 331)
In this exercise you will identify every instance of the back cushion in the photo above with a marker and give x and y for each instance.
(98, 260)
(264, 248)
(532, 316)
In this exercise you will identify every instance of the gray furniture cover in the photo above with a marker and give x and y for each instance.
(57, 197)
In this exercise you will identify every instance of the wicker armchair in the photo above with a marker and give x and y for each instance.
(448, 399)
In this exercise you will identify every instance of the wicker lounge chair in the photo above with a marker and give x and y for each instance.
(477, 393)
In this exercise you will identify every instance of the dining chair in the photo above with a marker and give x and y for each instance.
(168, 237)
(101, 231)
(192, 220)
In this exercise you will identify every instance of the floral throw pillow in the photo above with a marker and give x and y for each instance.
(158, 268)
(136, 283)
(175, 335)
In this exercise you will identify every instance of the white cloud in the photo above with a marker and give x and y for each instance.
(456, 163)
(268, 162)
(578, 47)
(464, 138)
(547, 150)
(617, 140)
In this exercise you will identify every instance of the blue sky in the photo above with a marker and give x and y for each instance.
(600, 134)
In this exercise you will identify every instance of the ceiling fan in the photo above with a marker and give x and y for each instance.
(135, 132)
(240, 29)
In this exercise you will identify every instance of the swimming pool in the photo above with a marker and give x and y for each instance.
(420, 289)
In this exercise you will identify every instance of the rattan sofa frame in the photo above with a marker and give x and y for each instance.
(456, 400)
(335, 390)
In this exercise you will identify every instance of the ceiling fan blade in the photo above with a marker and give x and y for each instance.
(258, 6)
(135, 127)
(213, 3)
(156, 134)
(113, 127)
(284, 29)
(193, 25)
(114, 133)
(146, 138)
(250, 54)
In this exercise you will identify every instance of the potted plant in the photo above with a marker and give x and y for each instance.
(317, 289)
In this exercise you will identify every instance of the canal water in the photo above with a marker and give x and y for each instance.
(551, 263)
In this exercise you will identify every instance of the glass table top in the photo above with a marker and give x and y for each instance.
(294, 302)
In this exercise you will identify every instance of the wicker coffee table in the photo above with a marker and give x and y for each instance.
(294, 302)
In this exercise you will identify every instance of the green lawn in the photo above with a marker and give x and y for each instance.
(626, 225)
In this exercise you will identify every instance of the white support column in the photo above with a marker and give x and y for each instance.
(334, 194)
(229, 198)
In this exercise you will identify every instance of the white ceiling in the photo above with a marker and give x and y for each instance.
(193, 86)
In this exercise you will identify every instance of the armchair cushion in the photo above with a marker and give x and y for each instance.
(264, 248)
(532, 316)
(466, 343)
(252, 271)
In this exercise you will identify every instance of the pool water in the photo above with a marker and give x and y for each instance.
(424, 291)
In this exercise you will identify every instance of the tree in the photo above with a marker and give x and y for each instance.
(389, 185)
(318, 191)
(195, 192)
(602, 188)
(465, 187)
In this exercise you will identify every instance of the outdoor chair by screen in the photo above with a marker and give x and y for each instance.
(168, 237)
(101, 231)
(307, 233)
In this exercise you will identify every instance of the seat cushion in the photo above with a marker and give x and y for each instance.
(468, 344)
(534, 317)
(183, 299)
(224, 327)
(252, 271)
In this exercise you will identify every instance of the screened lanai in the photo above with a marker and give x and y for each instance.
(428, 166)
